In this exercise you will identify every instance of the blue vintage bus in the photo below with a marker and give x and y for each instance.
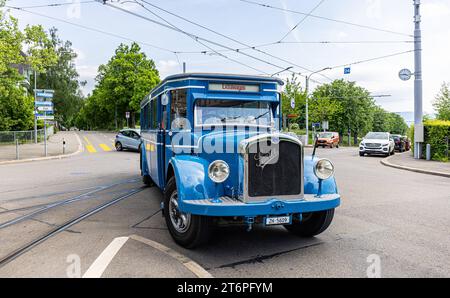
(213, 144)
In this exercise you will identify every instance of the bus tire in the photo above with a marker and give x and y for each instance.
(312, 224)
(188, 230)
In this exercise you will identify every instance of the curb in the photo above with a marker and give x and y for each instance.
(62, 156)
(386, 162)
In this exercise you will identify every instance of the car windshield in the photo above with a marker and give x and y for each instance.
(232, 112)
(377, 136)
(326, 135)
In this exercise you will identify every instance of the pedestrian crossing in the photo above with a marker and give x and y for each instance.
(98, 146)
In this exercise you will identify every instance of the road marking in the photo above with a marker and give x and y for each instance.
(105, 147)
(104, 259)
(188, 263)
(91, 148)
(87, 140)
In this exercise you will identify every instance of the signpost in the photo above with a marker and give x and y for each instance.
(43, 109)
(127, 115)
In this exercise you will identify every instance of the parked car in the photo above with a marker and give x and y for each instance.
(212, 144)
(399, 142)
(128, 139)
(407, 143)
(328, 139)
(377, 143)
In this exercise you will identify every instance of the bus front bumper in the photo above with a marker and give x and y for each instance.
(230, 207)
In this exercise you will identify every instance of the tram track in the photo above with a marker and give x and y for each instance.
(49, 206)
(60, 228)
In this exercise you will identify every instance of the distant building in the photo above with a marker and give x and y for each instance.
(24, 70)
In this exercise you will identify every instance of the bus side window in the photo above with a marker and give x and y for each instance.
(154, 114)
(178, 109)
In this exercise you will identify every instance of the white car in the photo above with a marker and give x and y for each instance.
(377, 143)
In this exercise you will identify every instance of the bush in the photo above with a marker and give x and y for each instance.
(295, 126)
(436, 132)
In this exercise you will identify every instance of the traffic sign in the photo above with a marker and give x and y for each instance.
(293, 103)
(45, 108)
(45, 117)
(347, 70)
(127, 115)
(43, 103)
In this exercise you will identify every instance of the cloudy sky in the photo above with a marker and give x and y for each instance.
(252, 25)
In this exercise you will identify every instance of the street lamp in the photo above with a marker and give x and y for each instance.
(306, 107)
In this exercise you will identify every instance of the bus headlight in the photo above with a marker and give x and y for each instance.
(324, 169)
(218, 171)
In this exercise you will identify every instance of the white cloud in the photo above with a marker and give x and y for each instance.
(167, 67)
(435, 9)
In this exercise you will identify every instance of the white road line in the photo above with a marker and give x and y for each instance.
(188, 263)
(104, 259)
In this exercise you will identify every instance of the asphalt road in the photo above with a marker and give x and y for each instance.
(399, 218)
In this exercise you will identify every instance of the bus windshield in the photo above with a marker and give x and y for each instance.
(232, 112)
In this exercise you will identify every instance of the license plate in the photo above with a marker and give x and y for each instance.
(279, 220)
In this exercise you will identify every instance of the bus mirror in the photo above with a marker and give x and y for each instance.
(165, 99)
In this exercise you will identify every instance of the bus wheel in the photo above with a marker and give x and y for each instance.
(312, 223)
(187, 230)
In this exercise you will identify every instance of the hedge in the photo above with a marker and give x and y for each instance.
(435, 134)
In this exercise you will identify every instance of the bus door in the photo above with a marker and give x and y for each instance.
(153, 141)
(178, 133)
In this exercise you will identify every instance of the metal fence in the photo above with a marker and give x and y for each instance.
(23, 137)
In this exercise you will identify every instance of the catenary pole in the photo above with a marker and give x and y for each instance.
(418, 112)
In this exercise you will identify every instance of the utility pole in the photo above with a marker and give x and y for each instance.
(308, 77)
(418, 112)
(34, 111)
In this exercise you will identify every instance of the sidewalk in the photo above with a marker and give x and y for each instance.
(31, 151)
(405, 161)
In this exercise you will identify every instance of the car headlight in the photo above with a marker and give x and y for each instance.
(387, 144)
(324, 169)
(218, 171)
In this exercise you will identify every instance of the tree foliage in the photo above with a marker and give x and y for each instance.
(64, 79)
(442, 103)
(33, 48)
(121, 85)
(348, 108)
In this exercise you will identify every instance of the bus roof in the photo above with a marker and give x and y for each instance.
(222, 76)
(215, 76)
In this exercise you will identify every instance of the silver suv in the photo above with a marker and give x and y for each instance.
(377, 143)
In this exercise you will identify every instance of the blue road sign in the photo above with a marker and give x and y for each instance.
(347, 70)
(43, 103)
(44, 95)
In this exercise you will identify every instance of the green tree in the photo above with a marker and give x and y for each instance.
(123, 82)
(16, 104)
(351, 107)
(442, 103)
(293, 90)
(63, 78)
(396, 124)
